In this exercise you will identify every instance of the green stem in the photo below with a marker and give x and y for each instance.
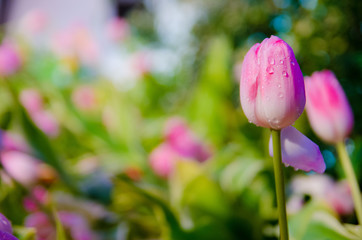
(279, 185)
(351, 178)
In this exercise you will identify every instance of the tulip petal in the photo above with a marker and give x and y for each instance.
(299, 151)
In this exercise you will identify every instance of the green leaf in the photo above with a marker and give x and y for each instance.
(60, 233)
(317, 221)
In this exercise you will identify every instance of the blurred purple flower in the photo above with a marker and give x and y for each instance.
(10, 59)
(73, 223)
(5, 225)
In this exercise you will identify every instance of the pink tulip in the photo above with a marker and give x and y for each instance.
(271, 87)
(299, 151)
(5, 225)
(31, 100)
(329, 112)
(162, 159)
(20, 167)
(10, 59)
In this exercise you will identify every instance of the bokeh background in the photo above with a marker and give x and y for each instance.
(97, 91)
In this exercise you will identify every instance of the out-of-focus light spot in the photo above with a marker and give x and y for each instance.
(304, 27)
(309, 4)
(282, 3)
(350, 145)
(255, 38)
(329, 158)
(282, 23)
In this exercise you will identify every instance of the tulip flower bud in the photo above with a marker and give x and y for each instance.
(328, 110)
(271, 87)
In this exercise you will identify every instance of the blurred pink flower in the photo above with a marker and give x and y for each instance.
(117, 29)
(10, 59)
(271, 86)
(5, 225)
(140, 63)
(299, 151)
(46, 122)
(34, 22)
(184, 142)
(84, 97)
(76, 41)
(20, 166)
(162, 159)
(31, 100)
(321, 188)
(39, 195)
(13, 142)
(73, 223)
(328, 110)
(180, 144)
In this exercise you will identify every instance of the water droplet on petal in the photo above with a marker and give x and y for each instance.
(249, 121)
(292, 63)
(281, 62)
(271, 61)
(279, 86)
(285, 74)
(270, 70)
(280, 95)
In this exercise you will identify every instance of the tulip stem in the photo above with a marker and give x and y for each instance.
(279, 184)
(351, 178)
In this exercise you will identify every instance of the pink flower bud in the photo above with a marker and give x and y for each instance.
(329, 112)
(5, 225)
(271, 87)
(299, 151)
(21, 167)
(10, 59)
